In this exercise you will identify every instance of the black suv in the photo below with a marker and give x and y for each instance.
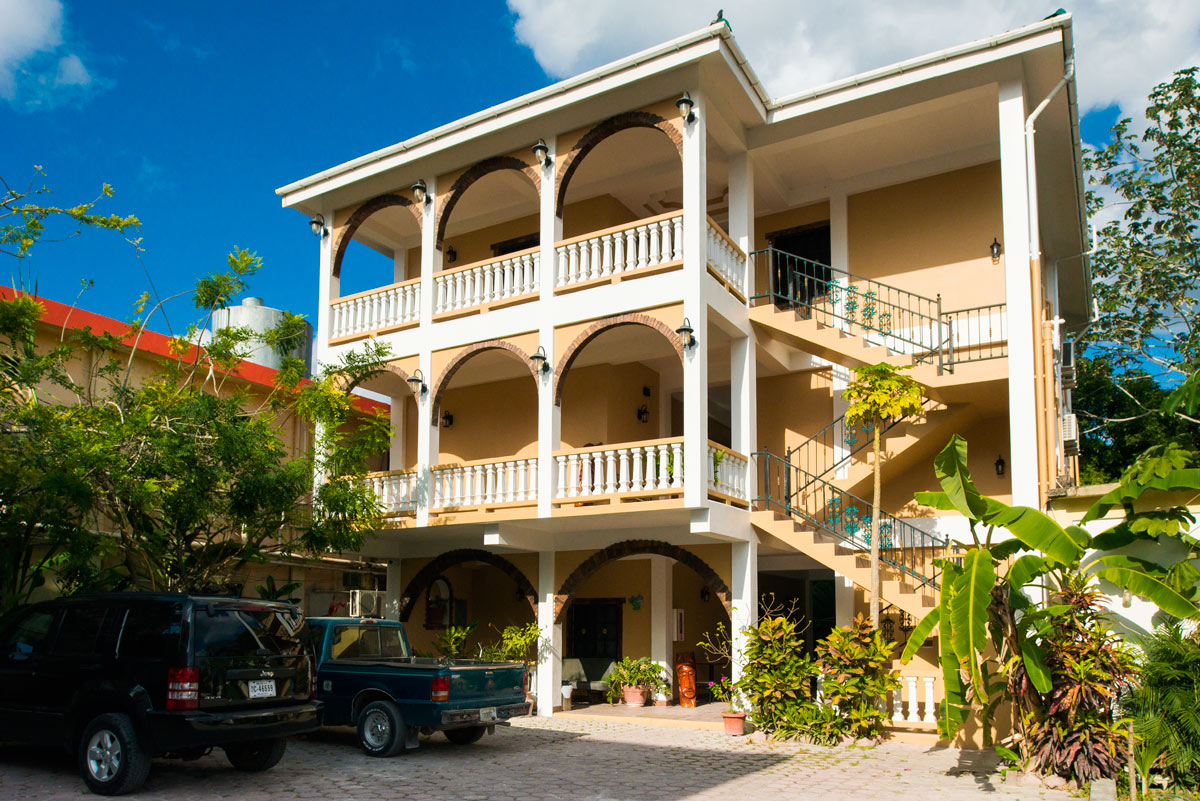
(123, 677)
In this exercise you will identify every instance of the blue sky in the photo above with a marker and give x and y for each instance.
(195, 113)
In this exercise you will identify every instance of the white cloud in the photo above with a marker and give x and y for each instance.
(39, 68)
(1122, 49)
(30, 27)
(71, 72)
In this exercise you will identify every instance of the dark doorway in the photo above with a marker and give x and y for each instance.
(594, 629)
(806, 278)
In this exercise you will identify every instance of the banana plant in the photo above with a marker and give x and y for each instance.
(985, 608)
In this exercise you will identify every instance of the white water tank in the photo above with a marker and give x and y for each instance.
(252, 314)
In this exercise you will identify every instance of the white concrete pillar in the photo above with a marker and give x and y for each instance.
(745, 599)
(843, 600)
(743, 386)
(1018, 286)
(549, 415)
(549, 670)
(395, 587)
(400, 265)
(662, 623)
(328, 290)
(839, 239)
(741, 210)
(840, 379)
(695, 361)
(427, 432)
(396, 420)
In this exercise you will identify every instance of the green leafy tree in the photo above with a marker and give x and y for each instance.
(877, 393)
(1165, 705)
(985, 607)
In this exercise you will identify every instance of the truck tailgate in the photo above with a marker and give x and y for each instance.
(485, 683)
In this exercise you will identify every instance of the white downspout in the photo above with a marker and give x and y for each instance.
(1035, 233)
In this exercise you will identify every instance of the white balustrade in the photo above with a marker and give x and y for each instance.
(636, 467)
(727, 259)
(645, 243)
(907, 705)
(486, 282)
(727, 471)
(483, 483)
(383, 308)
(396, 490)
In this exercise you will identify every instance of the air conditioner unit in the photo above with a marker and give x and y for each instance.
(1070, 434)
(367, 603)
(1067, 368)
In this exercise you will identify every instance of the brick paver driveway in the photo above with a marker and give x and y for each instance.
(557, 759)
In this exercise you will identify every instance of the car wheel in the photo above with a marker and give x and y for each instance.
(111, 760)
(256, 756)
(471, 734)
(381, 730)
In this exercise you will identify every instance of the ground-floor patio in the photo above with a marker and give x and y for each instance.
(564, 757)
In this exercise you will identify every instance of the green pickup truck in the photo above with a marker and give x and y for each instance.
(368, 678)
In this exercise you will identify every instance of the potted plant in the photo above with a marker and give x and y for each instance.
(635, 680)
(735, 721)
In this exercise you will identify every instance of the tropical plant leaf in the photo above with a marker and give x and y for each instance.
(1034, 660)
(968, 611)
(1007, 753)
(1129, 491)
(1118, 536)
(1127, 574)
(918, 636)
(952, 472)
(1025, 569)
(1037, 530)
(1005, 549)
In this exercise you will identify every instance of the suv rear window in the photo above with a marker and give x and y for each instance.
(367, 642)
(229, 630)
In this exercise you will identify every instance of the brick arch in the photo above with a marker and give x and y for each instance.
(359, 217)
(465, 355)
(587, 142)
(581, 574)
(426, 576)
(474, 174)
(599, 327)
(389, 369)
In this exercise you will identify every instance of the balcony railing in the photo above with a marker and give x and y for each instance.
(727, 260)
(485, 483)
(396, 490)
(727, 473)
(652, 468)
(377, 310)
(980, 333)
(608, 254)
(498, 281)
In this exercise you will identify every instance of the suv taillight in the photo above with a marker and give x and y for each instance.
(525, 682)
(440, 691)
(183, 688)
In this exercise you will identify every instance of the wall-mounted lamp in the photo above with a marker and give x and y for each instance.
(419, 192)
(447, 420)
(541, 364)
(686, 108)
(996, 250)
(317, 224)
(541, 152)
(451, 255)
(1127, 598)
(705, 594)
(687, 333)
(643, 414)
(1000, 465)
(417, 382)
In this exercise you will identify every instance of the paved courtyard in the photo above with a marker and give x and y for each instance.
(570, 759)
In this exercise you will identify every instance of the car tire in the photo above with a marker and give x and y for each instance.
(111, 759)
(471, 734)
(256, 756)
(381, 729)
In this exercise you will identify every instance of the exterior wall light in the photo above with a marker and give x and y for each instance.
(687, 333)
(418, 190)
(996, 250)
(451, 255)
(542, 153)
(541, 364)
(686, 108)
(317, 224)
(447, 420)
(1000, 466)
(417, 382)
(643, 414)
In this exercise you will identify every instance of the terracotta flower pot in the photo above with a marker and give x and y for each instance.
(635, 696)
(735, 723)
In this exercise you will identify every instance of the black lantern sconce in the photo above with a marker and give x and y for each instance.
(451, 255)
(317, 224)
(687, 333)
(417, 382)
(643, 414)
(687, 109)
(542, 153)
(705, 595)
(1000, 466)
(447, 420)
(996, 250)
(541, 364)
(420, 193)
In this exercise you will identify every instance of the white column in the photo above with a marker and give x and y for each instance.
(741, 209)
(328, 290)
(400, 264)
(745, 599)
(427, 435)
(662, 640)
(839, 380)
(743, 404)
(839, 236)
(695, 361)
(396, 420)
(549, 671)
(395, 586)
(549, 415)
(843, 600)
(1018, 290)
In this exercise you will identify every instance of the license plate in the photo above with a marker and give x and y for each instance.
(488, 713)
(264, 688)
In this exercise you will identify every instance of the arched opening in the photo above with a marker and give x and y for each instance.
(379, 244)
(392, 383)
(485, 404)
(491, 210)
(467, 586)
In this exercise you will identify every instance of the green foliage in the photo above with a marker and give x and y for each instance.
(517, 643)
(449, 641)
(775, 680)
(270, 591)
(1165, 704)
(641, 672)
(855, 661)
